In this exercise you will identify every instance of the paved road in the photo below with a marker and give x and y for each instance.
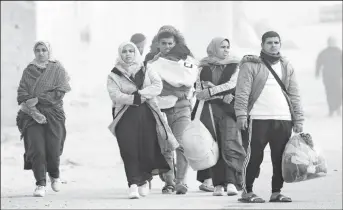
(104, 185)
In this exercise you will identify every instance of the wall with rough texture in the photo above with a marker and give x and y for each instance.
(18, 33)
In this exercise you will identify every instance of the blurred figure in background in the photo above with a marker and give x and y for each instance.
(41, 119)
(140, 41)
(329, 63)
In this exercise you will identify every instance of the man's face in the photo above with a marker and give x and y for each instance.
(166, 44)
(272, 45)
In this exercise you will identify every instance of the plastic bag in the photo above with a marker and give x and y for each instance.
(200, 148)
(301, 161)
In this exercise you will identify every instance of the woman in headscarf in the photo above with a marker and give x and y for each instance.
(216, 85)
(41, 119)
(142, 133)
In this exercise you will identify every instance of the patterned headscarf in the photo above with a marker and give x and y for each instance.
(35, 61)
(132, 68)
(213, 51)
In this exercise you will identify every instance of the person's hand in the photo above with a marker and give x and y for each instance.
(298, 128)
(37, 116)
(157, 56)
(207, 84)
(41, 119)
(228, 98)
(203, 95)
(242, 123)
(143, 99)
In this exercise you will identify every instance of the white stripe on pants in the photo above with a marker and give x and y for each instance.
(247, 158)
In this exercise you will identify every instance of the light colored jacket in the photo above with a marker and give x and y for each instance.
(251, 80)
(121, 89)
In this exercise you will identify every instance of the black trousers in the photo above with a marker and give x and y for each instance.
(202, 175)
(255, 139)
(44, 148)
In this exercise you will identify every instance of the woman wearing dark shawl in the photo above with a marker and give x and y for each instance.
(41, 118)
(216, 85)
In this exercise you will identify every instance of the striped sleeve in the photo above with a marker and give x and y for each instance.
(226, 86)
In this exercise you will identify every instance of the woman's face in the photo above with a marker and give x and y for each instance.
(41, 53)
(223, 51)
(128, 53)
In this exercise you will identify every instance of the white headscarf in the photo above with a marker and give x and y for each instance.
(36, 62)
(132, 68)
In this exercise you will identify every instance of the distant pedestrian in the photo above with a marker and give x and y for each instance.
(329, 63)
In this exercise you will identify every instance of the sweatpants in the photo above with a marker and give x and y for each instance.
(255, 139)
(221, 173)
(44, 148)
(178, 119)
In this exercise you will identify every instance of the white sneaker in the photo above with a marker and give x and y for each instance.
(55, 184)
(218, 191)
(231, 190)
(39, 191)
(143, 190)
(133, 192)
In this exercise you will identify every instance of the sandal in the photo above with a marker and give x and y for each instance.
(206, 188)
(181, 189)
(168, 189)
(252, 199)
(281, 199)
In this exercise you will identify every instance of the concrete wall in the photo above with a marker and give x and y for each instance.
(18, 33)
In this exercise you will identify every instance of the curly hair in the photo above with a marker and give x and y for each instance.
(179, 38)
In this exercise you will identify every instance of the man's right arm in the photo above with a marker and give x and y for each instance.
(243, 89)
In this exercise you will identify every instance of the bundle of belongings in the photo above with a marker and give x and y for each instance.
(178, 70)
(301, 161)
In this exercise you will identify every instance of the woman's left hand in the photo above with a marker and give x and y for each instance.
(228, 98)
(203, 95)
